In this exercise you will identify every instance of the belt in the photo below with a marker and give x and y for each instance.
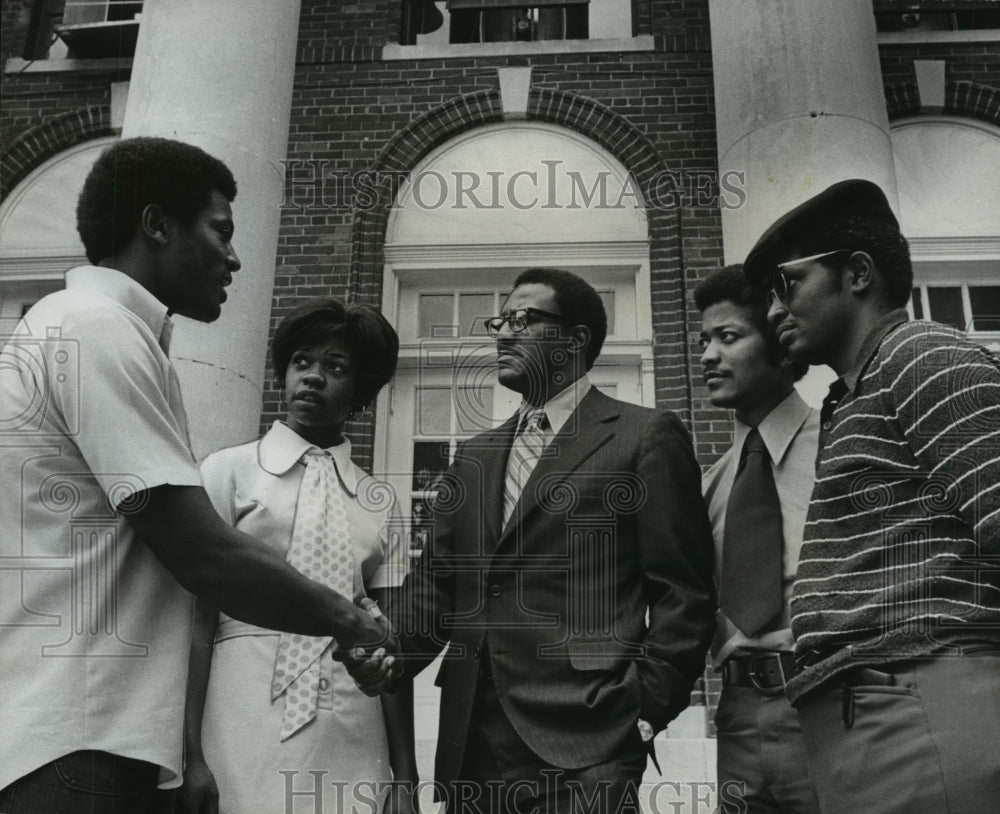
(766, 672)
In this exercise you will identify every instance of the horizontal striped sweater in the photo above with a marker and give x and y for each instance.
(901, 551)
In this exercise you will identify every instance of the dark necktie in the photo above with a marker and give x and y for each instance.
(750, 592)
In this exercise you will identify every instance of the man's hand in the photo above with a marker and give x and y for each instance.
(374, 662)
(401, 799)
(372, 630)
(199, 794)
(373, 673)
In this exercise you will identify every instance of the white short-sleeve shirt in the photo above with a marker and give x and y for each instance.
(94, 631)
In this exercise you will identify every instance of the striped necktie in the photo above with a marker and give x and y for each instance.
(527, 448)
(321, 549)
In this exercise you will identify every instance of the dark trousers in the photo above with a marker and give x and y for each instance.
(88, 783)
(502, 775)
(762, 763)
(918, 737)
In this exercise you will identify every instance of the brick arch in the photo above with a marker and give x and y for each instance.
(598, 122)
(41, 143)
(972, 100)
(966, 99)
(902, 99)
(664, 211)
(399, 156)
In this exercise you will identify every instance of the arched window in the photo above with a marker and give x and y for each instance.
(38, 238)
(948, 176)
(472, 215)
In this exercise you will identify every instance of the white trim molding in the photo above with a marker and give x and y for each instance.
(514, 254)
(925, 249)
(643, 42)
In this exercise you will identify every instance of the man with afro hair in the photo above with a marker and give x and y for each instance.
(97, 472)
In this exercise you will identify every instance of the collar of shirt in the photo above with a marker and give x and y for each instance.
(778, 428)
(871, 344)
(281, 448)
(121, 288)
(560, 407)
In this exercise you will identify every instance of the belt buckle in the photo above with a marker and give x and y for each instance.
(755, 678)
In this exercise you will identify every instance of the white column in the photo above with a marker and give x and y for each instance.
(799, 106)
(219, 75)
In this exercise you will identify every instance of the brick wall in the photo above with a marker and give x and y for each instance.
(349, 106)
(42, 114)
(971, 75)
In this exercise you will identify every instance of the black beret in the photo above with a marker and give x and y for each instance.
(843, 199)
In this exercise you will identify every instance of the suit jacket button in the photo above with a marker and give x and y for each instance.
(495, 590)
(477, 651)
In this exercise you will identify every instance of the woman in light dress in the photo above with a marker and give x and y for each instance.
(274, 724)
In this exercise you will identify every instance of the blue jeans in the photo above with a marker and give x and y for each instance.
(88, 783)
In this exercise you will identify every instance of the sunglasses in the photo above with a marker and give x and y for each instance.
(781, 286)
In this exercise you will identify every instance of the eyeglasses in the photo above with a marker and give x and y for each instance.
(518, 320)
(781, 286)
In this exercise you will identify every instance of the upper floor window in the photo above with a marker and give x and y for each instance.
(456, 22)
(83, 29)
(936, 15)
(511, 21)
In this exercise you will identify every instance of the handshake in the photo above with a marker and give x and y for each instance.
(374, 661)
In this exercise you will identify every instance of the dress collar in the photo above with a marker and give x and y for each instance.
(281, 448)
(121, 288)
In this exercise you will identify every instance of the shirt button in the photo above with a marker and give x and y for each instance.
(477, 651)
(324, 684)
(827, 425)
(496, 590)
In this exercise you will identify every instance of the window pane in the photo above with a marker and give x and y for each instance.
(430, 459)
(420, 524)
(123, 10)
(985, 300)
(436, 318)
(918, 305)
(551, 24)
(433, 411)
(946, 306)
(472, 310)
(474, 406)
(608, 298)
(84, 11)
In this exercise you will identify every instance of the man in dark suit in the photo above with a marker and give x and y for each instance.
(569, 573)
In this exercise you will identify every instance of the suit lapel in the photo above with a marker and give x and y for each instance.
(492, 456)
(587, 430)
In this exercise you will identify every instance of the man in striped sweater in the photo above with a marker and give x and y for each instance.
(896, 604)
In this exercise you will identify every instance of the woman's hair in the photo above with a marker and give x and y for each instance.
(370, 340)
